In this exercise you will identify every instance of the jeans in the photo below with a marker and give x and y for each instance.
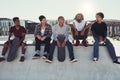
(46, 42)
(109, 46)
(69, 46)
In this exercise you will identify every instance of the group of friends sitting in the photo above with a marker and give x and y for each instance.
(44, 31)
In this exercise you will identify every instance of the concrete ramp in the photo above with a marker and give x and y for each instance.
(84, 69)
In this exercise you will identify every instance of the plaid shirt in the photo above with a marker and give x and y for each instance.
(47, 33)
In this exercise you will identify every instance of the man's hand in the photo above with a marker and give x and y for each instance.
(43, 38)
(39, 37)
(63, 44)
(88, 25)
(105, 40)
(76, 33)
(58, 44)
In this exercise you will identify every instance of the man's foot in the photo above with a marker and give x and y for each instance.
(84, 43)
(22, 59)
(116, 61)
(95, 59)
(44, 56)
(36, 56)
(74, 60)
(77, 43)
(48, 61)
(102, 43)
(2, 58)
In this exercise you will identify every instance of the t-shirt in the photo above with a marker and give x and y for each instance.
(79, 25)
(42, 32)
(99, 29)
(64, 30)
(17, 33)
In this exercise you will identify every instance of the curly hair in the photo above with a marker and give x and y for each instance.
(80, 15)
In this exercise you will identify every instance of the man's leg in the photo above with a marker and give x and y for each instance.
(37, 48)
(84, 37)
(47, 47)
(96, 49)
(52, 48)
(23, 47)
(111, 50)
(70, 49)
(75, 37)
(4, 50)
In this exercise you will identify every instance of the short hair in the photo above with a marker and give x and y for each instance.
(100, 14)
(60, 17)
(15, 18)
(80, 15)
(42, 17)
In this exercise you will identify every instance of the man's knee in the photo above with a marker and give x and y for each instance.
(48, 39)
(6, 44)
(68, 43)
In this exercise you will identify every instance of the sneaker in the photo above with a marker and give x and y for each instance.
(74, 60)
(22, 59)
(116, 61)
(77, 43)
(102, 43)
(95, 59)
(44, 57)
(48, 61)
(2, 58)
(36, 56)
(84, 43)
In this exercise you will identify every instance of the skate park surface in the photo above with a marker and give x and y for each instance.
(84, 69)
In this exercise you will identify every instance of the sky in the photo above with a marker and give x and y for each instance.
(32, 9)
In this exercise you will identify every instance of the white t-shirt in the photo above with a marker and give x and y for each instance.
(79, 26)
(42, 32)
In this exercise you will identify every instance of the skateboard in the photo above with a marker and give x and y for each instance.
(13, 50)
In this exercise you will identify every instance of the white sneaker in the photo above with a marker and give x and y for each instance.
(95, 59)
(43, 57)
(48, 61)
(1, 56)
(38, 52)
(74, 60)
(102, 42)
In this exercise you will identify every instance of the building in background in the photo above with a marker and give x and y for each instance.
(6, 23)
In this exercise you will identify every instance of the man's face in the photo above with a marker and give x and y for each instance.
(79, 18)
(98, 18)
(17, 22)
(61, 21)
(43, 21)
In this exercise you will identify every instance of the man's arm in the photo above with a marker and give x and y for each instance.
(73, 26)
(10, 35)
(23, 37)
(49, 34)
(87, 26)
(36, 33)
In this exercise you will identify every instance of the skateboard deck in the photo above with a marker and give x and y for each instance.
(13, 50)
(61, 50)
(61, 54)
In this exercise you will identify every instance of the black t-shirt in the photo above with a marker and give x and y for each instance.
(99, 29)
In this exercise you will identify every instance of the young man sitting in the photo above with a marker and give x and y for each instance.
(58, 30)
(18, 32)
(99, 30)
(80, 29)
